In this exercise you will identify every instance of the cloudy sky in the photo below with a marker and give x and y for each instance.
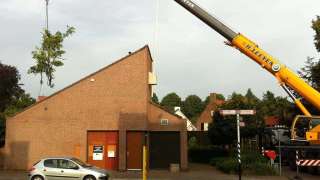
(190, 58)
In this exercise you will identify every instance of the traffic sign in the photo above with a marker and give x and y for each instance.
(235, 112)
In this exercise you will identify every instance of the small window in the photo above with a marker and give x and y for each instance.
(66, 164)
(164, 122)
(204, 126)
(51, 163)
(212, 113)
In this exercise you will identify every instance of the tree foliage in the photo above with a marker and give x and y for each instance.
(155, 98)
(12, 96)
(9, 85)
(222, 131)
(19, 104)
(49, 55)
(192, 107)
(170, 101)
(311, 72)
(270, 105)
(316, 27)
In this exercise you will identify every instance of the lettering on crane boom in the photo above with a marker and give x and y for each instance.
(189, 3)
(259, 54)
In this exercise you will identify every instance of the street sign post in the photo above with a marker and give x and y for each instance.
(238, 113)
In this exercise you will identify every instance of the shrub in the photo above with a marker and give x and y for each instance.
(229, 165)
(252, 163)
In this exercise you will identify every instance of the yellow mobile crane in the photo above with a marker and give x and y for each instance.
(287, 79)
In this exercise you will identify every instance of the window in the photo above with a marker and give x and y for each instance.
(66, 164)
(164, 122)
(51, 163)
(204, 126)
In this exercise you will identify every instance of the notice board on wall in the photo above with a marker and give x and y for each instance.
(98, 152)
(112, 151)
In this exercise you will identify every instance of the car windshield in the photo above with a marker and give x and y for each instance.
(80, 162)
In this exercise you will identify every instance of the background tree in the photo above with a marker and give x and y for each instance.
(155, 98)
(251, 99)
(311, 71)
(12, 96)
(192, 107)
(49, 55)
(19, 104)
(9, 85)
(222, 131)
(316, 27)
(170, 101)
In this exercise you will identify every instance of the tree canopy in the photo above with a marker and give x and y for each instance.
(49, 55)
(192, 107)
(170, 101)
(155, 98)
(316, 27)
(9, 85)
(12, 97)
(269, 105)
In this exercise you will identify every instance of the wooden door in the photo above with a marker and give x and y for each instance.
(134, 150)
(103, 149)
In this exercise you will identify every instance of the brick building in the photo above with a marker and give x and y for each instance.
(109, 110)
(205, 117)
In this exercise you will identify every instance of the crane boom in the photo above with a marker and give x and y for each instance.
(284, 75)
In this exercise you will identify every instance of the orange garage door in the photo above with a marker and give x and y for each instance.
(103, 149)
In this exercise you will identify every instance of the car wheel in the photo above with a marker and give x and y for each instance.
(37, 178)
(89, 178)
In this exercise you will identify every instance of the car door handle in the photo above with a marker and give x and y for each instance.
(62, 171)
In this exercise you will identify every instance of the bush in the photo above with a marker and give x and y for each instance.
(205, 154)
(228, 165)
(252, 163)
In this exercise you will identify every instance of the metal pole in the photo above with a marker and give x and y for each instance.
(47, 15)
(297, 162)
(144, 176)
(279, 152)
(238, 144)
(144, 163)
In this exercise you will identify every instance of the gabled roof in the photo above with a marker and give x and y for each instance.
(146, 47)
(165, 110)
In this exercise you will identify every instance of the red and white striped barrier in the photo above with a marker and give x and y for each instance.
(308, 162)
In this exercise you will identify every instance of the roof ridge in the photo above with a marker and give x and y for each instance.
(160, 107)
(82, 79)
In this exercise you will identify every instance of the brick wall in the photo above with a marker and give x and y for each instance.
(57, 126)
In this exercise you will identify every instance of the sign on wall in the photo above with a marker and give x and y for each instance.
(112, 151)
(97, 152)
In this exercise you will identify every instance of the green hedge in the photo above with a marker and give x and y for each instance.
(205, 154)
(252, 163)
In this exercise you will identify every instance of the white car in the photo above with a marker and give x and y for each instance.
(66, 168)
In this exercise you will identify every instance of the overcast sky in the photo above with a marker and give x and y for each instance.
(189, 57)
